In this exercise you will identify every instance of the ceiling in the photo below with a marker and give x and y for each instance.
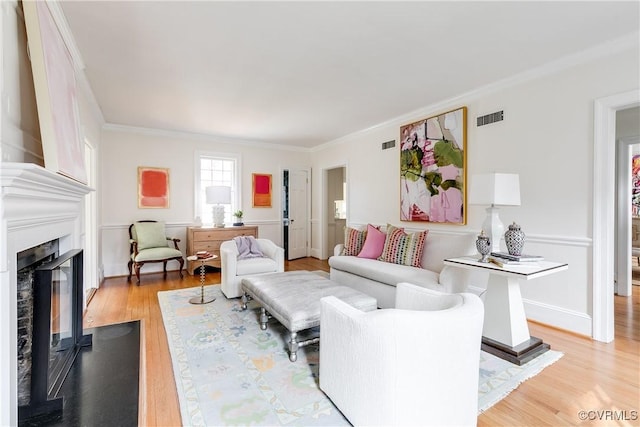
(304, 73)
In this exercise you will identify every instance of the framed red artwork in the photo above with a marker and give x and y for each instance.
(261, 190)
(153, 187)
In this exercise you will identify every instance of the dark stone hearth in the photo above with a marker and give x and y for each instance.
(102, 387)
(56, 336)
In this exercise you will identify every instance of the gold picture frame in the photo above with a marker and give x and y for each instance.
(153, 188)
(433, 169)
(261, 190)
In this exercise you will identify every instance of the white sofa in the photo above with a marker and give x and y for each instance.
(234, 270)
(417, 364)
(379, 278)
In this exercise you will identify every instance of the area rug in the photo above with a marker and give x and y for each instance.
(229, 372)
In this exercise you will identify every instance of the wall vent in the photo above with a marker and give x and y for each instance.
(388, 144)
(490, 118)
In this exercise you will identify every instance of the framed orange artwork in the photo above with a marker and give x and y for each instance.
(153, 187)
(261, 190)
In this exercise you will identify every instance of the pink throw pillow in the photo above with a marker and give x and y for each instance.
(373, 243)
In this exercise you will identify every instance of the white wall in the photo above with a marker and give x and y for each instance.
(20, 139)
(124, 149)
(20, 130)
(546, 137)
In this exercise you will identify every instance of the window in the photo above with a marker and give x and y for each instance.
(216, 169)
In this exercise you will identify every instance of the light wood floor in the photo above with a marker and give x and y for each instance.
(592, 376)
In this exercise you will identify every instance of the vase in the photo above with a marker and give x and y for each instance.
(514, 238)
(483, 245)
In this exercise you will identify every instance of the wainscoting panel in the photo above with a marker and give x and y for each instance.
(564, 299)
(271, 229)
(115, 248)
(115, 244)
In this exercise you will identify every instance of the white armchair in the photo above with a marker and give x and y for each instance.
(417, 364)
(234, 270)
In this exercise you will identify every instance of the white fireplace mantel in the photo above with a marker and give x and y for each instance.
(36, 206)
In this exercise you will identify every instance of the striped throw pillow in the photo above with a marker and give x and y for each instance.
(403, 248)
(353, 241)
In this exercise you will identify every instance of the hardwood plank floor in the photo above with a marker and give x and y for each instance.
(592, 376)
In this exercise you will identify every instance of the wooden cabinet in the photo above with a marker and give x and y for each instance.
(209, 239)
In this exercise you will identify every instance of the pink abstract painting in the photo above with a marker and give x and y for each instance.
(432, 169)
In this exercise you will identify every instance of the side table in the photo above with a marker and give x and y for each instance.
(201, 299)
(505, 332)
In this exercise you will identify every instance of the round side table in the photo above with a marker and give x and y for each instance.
(201, 299)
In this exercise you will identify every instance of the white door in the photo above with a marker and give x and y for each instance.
(297, 214)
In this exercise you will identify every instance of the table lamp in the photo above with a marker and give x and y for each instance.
(494, 189)
(218, 195)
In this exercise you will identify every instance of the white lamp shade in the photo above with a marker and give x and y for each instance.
(218, 194)
(495, 189)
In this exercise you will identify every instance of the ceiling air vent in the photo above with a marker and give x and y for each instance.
(490, 118)
(388, 144)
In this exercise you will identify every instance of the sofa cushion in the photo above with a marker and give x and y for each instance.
(256, 266)
(403, 248)
(373, 243)
(353, 241)
(390, 274)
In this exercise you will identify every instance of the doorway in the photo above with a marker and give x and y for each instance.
(603, 218)
(335, 206)
(295, 213)
(627, 209)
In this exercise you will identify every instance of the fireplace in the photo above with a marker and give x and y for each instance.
(27, 263)
(50, 332)
(37, 206)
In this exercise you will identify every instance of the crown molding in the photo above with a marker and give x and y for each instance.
(602, 50)
(221, 139)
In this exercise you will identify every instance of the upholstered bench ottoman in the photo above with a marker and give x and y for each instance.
(293, 298)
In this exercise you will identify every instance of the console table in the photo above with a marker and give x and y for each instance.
(209, 239)
(505, 332)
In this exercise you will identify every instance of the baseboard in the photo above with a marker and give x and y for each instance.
(119, 270)
(562, 318)
(570, 320)
(315, 253)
